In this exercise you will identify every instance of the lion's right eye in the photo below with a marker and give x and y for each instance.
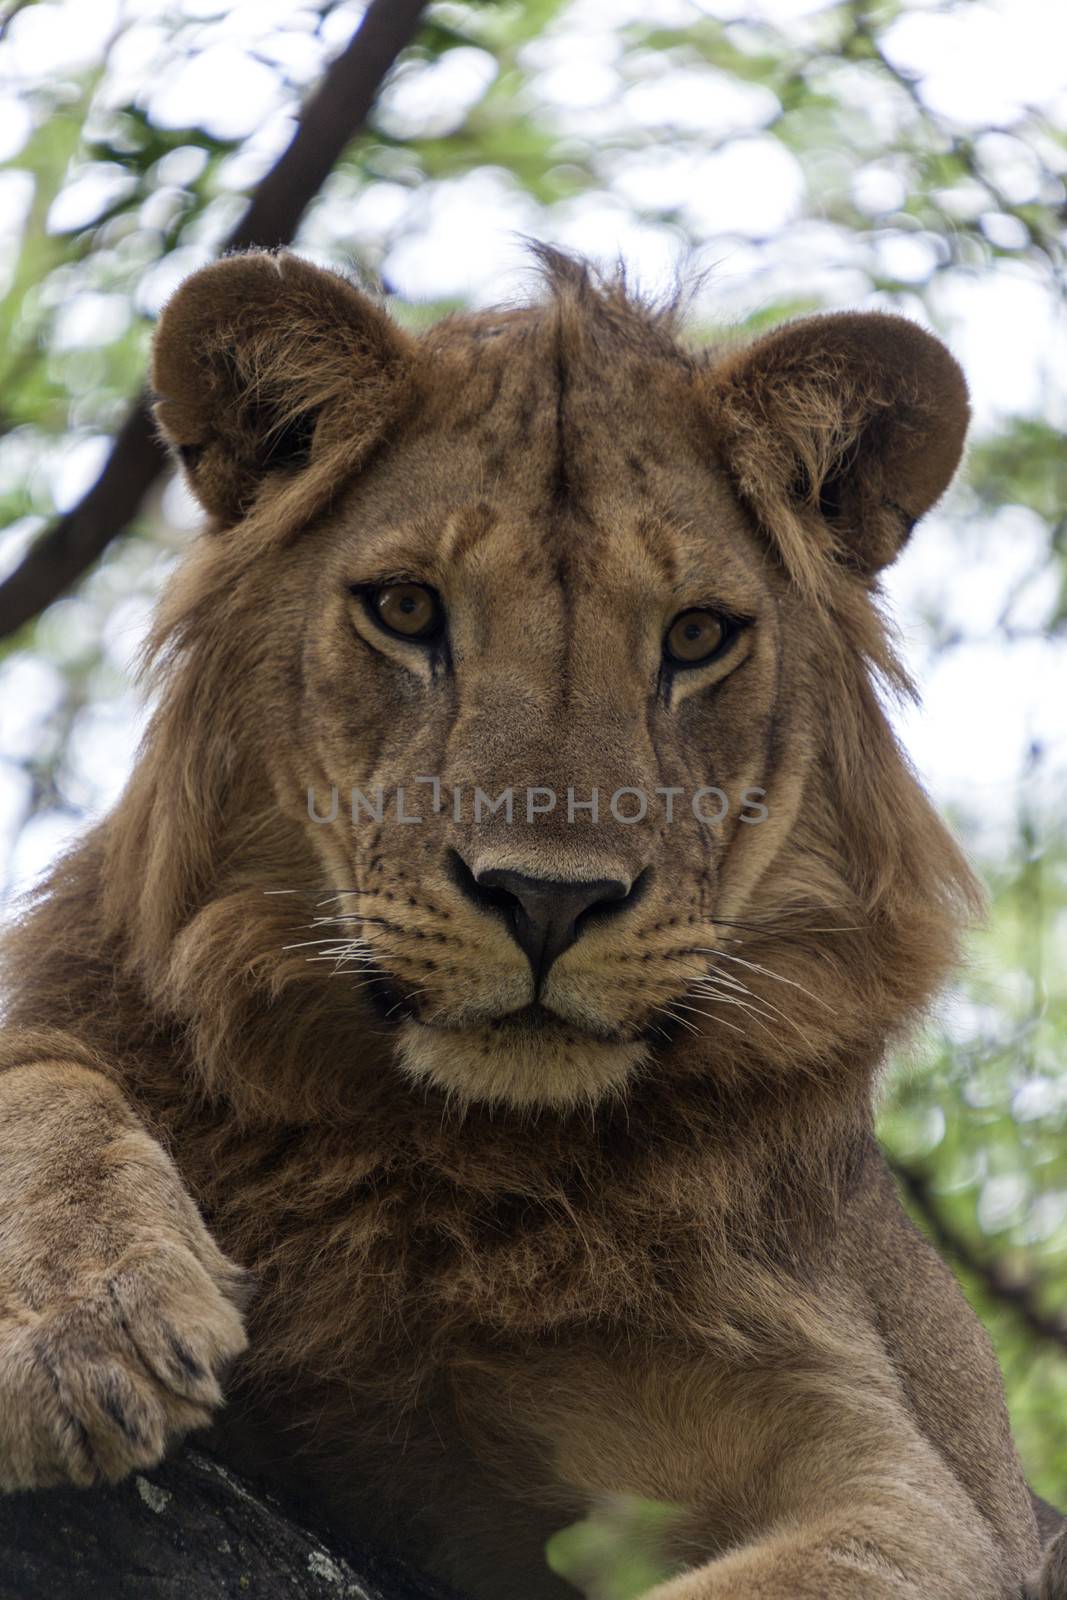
(697, 636)
(411, 610)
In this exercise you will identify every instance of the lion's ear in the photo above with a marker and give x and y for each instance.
(840, 432)
(264, 365)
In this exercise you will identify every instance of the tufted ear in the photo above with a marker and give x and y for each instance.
(265, 366)
(840, 432)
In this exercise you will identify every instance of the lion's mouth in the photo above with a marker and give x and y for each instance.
(538, 1019)
(533, 1018)
(531, 1021)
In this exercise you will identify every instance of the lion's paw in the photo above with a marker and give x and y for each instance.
(107, 1377)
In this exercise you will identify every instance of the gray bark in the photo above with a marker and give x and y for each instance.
(188, 1530)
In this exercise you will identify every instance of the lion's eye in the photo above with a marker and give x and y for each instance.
(696, 636)
(409, 609)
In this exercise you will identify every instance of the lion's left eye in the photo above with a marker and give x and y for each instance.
(696, 636)
(409, 609)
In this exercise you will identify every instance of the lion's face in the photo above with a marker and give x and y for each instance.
(592, 618)
(549, 698)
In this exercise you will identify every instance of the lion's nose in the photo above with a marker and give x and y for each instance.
(544, 915)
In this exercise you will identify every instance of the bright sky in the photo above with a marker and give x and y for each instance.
(986, 701)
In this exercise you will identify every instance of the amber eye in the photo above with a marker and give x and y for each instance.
(409, 609)
(695, 636)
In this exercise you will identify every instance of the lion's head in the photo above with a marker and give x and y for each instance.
(552, 554)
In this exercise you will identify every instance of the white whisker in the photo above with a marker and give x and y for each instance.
(710, 986)
(729, 1000)
(767, 972)
(667, 1011)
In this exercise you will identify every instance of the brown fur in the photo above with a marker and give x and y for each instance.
(503, 1274)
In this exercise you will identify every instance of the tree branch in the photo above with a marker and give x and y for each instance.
(329, 121)
(189, 1527)
(1020, 1295)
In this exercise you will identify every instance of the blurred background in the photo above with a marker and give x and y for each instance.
(904, 155)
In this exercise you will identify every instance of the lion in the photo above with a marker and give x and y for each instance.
(506, 1157)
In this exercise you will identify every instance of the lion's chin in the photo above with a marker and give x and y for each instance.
(515, 1068)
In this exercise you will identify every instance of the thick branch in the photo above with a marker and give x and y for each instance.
(1020, 1295)
(192, 1528)
(328, 122)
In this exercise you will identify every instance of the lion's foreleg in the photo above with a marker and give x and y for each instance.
(118, 1313)
(867, 1512)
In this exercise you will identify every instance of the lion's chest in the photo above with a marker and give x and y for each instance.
(473, 1466)
(467, 1376)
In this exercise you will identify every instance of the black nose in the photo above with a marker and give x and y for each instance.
(545, 915)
